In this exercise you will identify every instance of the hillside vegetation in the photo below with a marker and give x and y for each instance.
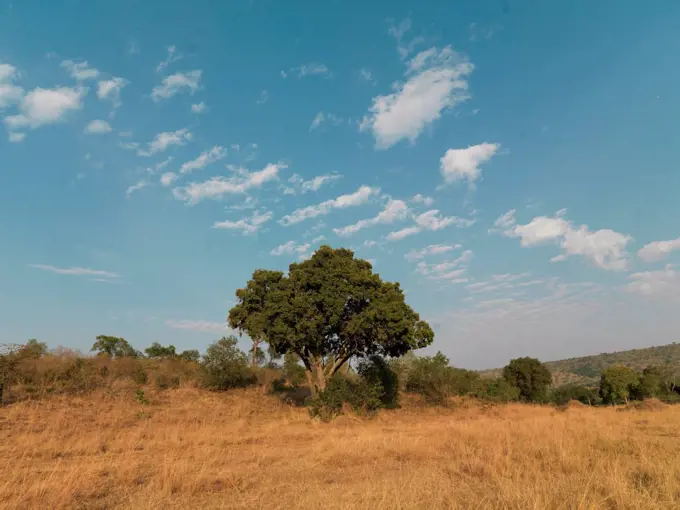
(586, 370)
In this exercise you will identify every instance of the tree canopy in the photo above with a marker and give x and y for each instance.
(530, 377)
(328, 309)
(113, 346)
(156, 350)
(616, 384)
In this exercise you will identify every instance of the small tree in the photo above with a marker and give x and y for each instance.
(650, 384)
(376, 372)
(114, 346)
(33, 349)
(497, 390)
(190, 355)
(156, 350)
(329, 309)
(293, 371)
(248, 316)
(616, 384)
(225, 366)
(530, 377)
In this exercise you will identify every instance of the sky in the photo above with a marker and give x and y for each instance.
(513, 164)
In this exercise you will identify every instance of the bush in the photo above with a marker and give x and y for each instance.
(292, 370)
(564, 394)
(224, 366)
(361, 396)
(436, 381)
(377, 373)
(530, 377)
(497, 390)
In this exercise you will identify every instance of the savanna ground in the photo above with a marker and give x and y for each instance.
(190, 448)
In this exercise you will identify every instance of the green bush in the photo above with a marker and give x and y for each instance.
(361, 396)
(292, 370)
(376, 372)
(497, 390)
(224, 366)
(531, 377)
(437, 381)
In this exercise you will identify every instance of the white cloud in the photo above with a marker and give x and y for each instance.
(168, 178)
(292, 248)
(436, 83)
(605, 248)
(430, 220)
(200, 326)
(463, 164)
(433, 249)
(7, 72)
(136, 187)
(109, 90)
(160, 166)
(658, 250)
(46, 106)
(422, 199)
(9, 93)
(98, 127)
(164, 140)
(249, 225)
(76, 271)
(173, 56)
(664, 283)
(359, 197)
(398, 32)
(129, 146)
(452, 271)
(216, 187)
(366, 75)
(395, 210)
(322, 117)
(264, 97)
(311, 69)
(206, 158)
(16, 137)
(299, 185)
(81, 71)
(176, 83)
(199, 107)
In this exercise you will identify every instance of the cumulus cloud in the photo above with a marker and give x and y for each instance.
(109, 90)
(249, 225)
(395, 210)
(199, 107)
(658, 250)
(81, 71)
(436, 82)
(359, 197)
(422, 199)
(162, 141)
(432, 249)
(40, 107)
(217, 187)
(300, 185)
(176, 83)
(9, 93)
(206, 158)
(605, 248)
(98, 127)
(464, 164)
(76, 271)
(664, 283)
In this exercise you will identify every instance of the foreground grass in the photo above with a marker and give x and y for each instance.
(243, 450)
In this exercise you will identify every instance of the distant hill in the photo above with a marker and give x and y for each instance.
(587, 369)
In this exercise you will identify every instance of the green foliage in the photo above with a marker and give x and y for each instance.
(257, 356)
(530, 377)
(564, 394)
(650, 384)
(156, 350)
(114, 347)
(617, 383)
(497, 390)
(141, 398)
(329, 309)
(224, 366)
(376, 372)
(361, 396)
(190, 355)
(292, 370)
(434, 379)
(33, 349)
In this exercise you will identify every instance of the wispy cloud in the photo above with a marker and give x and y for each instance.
(311, 69)
(206, 158)
(176, 83)
(324, 118)
(76, 271)
(658, 250)
(109, 90)
(136, 187)
(162, 141)
(198, 325)
(249, 225)
(199, 107)
(81, 71)
(173, 56)
(300, 185)
(395, 210)
(430, 220)
(98, 127)
(432, 249)
(359, 197)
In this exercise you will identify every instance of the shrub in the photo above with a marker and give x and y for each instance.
(564, 394)
(497, 390)
(530, 377)
(616, 384)
(377, 373)
(359, 395)
(434, 379)
(292, 370)
(224, 366)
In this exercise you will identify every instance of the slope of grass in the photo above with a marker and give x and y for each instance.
(586, 370)
(189, 448)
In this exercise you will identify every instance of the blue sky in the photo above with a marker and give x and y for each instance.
(512, 164)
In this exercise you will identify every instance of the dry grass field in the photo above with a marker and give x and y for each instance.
(194, 449)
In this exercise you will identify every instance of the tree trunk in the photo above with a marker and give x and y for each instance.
(256, 344)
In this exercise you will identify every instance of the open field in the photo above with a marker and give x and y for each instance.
(190, 448)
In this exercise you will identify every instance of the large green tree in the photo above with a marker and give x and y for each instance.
(531, 378)
(327, 310)
(113, 346)
(156, 350)
(617, 383)
(248, 316)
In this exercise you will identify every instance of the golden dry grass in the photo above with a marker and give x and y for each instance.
(244, 450)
